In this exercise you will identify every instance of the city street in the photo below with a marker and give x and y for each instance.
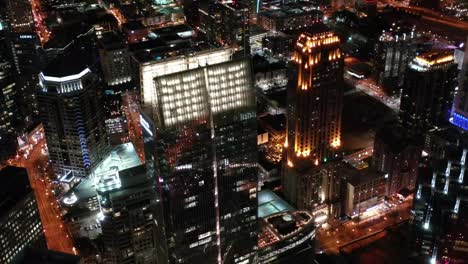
(347, 236)
(39, 17)
(368, 87)
(432, 16)
(56, 234)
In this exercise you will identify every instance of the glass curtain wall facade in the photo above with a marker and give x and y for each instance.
(202, 150)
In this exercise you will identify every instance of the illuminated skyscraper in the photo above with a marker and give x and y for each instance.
(70, 107)
(314, 113)
(459, 115)
(428, 90)
(393, 51)
(202, 151)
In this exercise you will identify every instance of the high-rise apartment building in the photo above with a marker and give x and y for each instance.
(428, 90)
(315, 100)
(440, 207)
(20, 224)
(393, 51)
(202, 150)
(70, 107)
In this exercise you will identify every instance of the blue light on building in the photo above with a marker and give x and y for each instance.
(459, 120)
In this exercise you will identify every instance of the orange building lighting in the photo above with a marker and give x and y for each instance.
(313, 54)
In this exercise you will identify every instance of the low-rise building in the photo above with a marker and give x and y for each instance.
(285, 233)
(361, 189)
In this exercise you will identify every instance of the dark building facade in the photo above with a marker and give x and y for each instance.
(127, 198)
(428, 90)
(289, 18)
(9, 113)
(20, 224)
(440, 208)
(315, 98)
(202, 151)
(24, 48)
(397, 153)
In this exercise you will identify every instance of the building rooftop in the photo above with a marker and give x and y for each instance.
(397, 138)
(48, 257)
(275, 124)
(133, 25)
(283, 225)
(121, 158)
(174, 30)
(397, 33)
(123, 181)
(67, 25)
(356, 176)
(290, 10)
(316, 39)
(15, 187)
(269, 203)
(78, 56)
(164, 47)
(111, 41)
(435, 57)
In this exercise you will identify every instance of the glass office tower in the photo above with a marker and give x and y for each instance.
(202, 150)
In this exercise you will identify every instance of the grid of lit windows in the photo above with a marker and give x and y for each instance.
(20, 228)
(153, 69)
(185, 96)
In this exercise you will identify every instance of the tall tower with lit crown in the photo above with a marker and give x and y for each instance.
(314, 113)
